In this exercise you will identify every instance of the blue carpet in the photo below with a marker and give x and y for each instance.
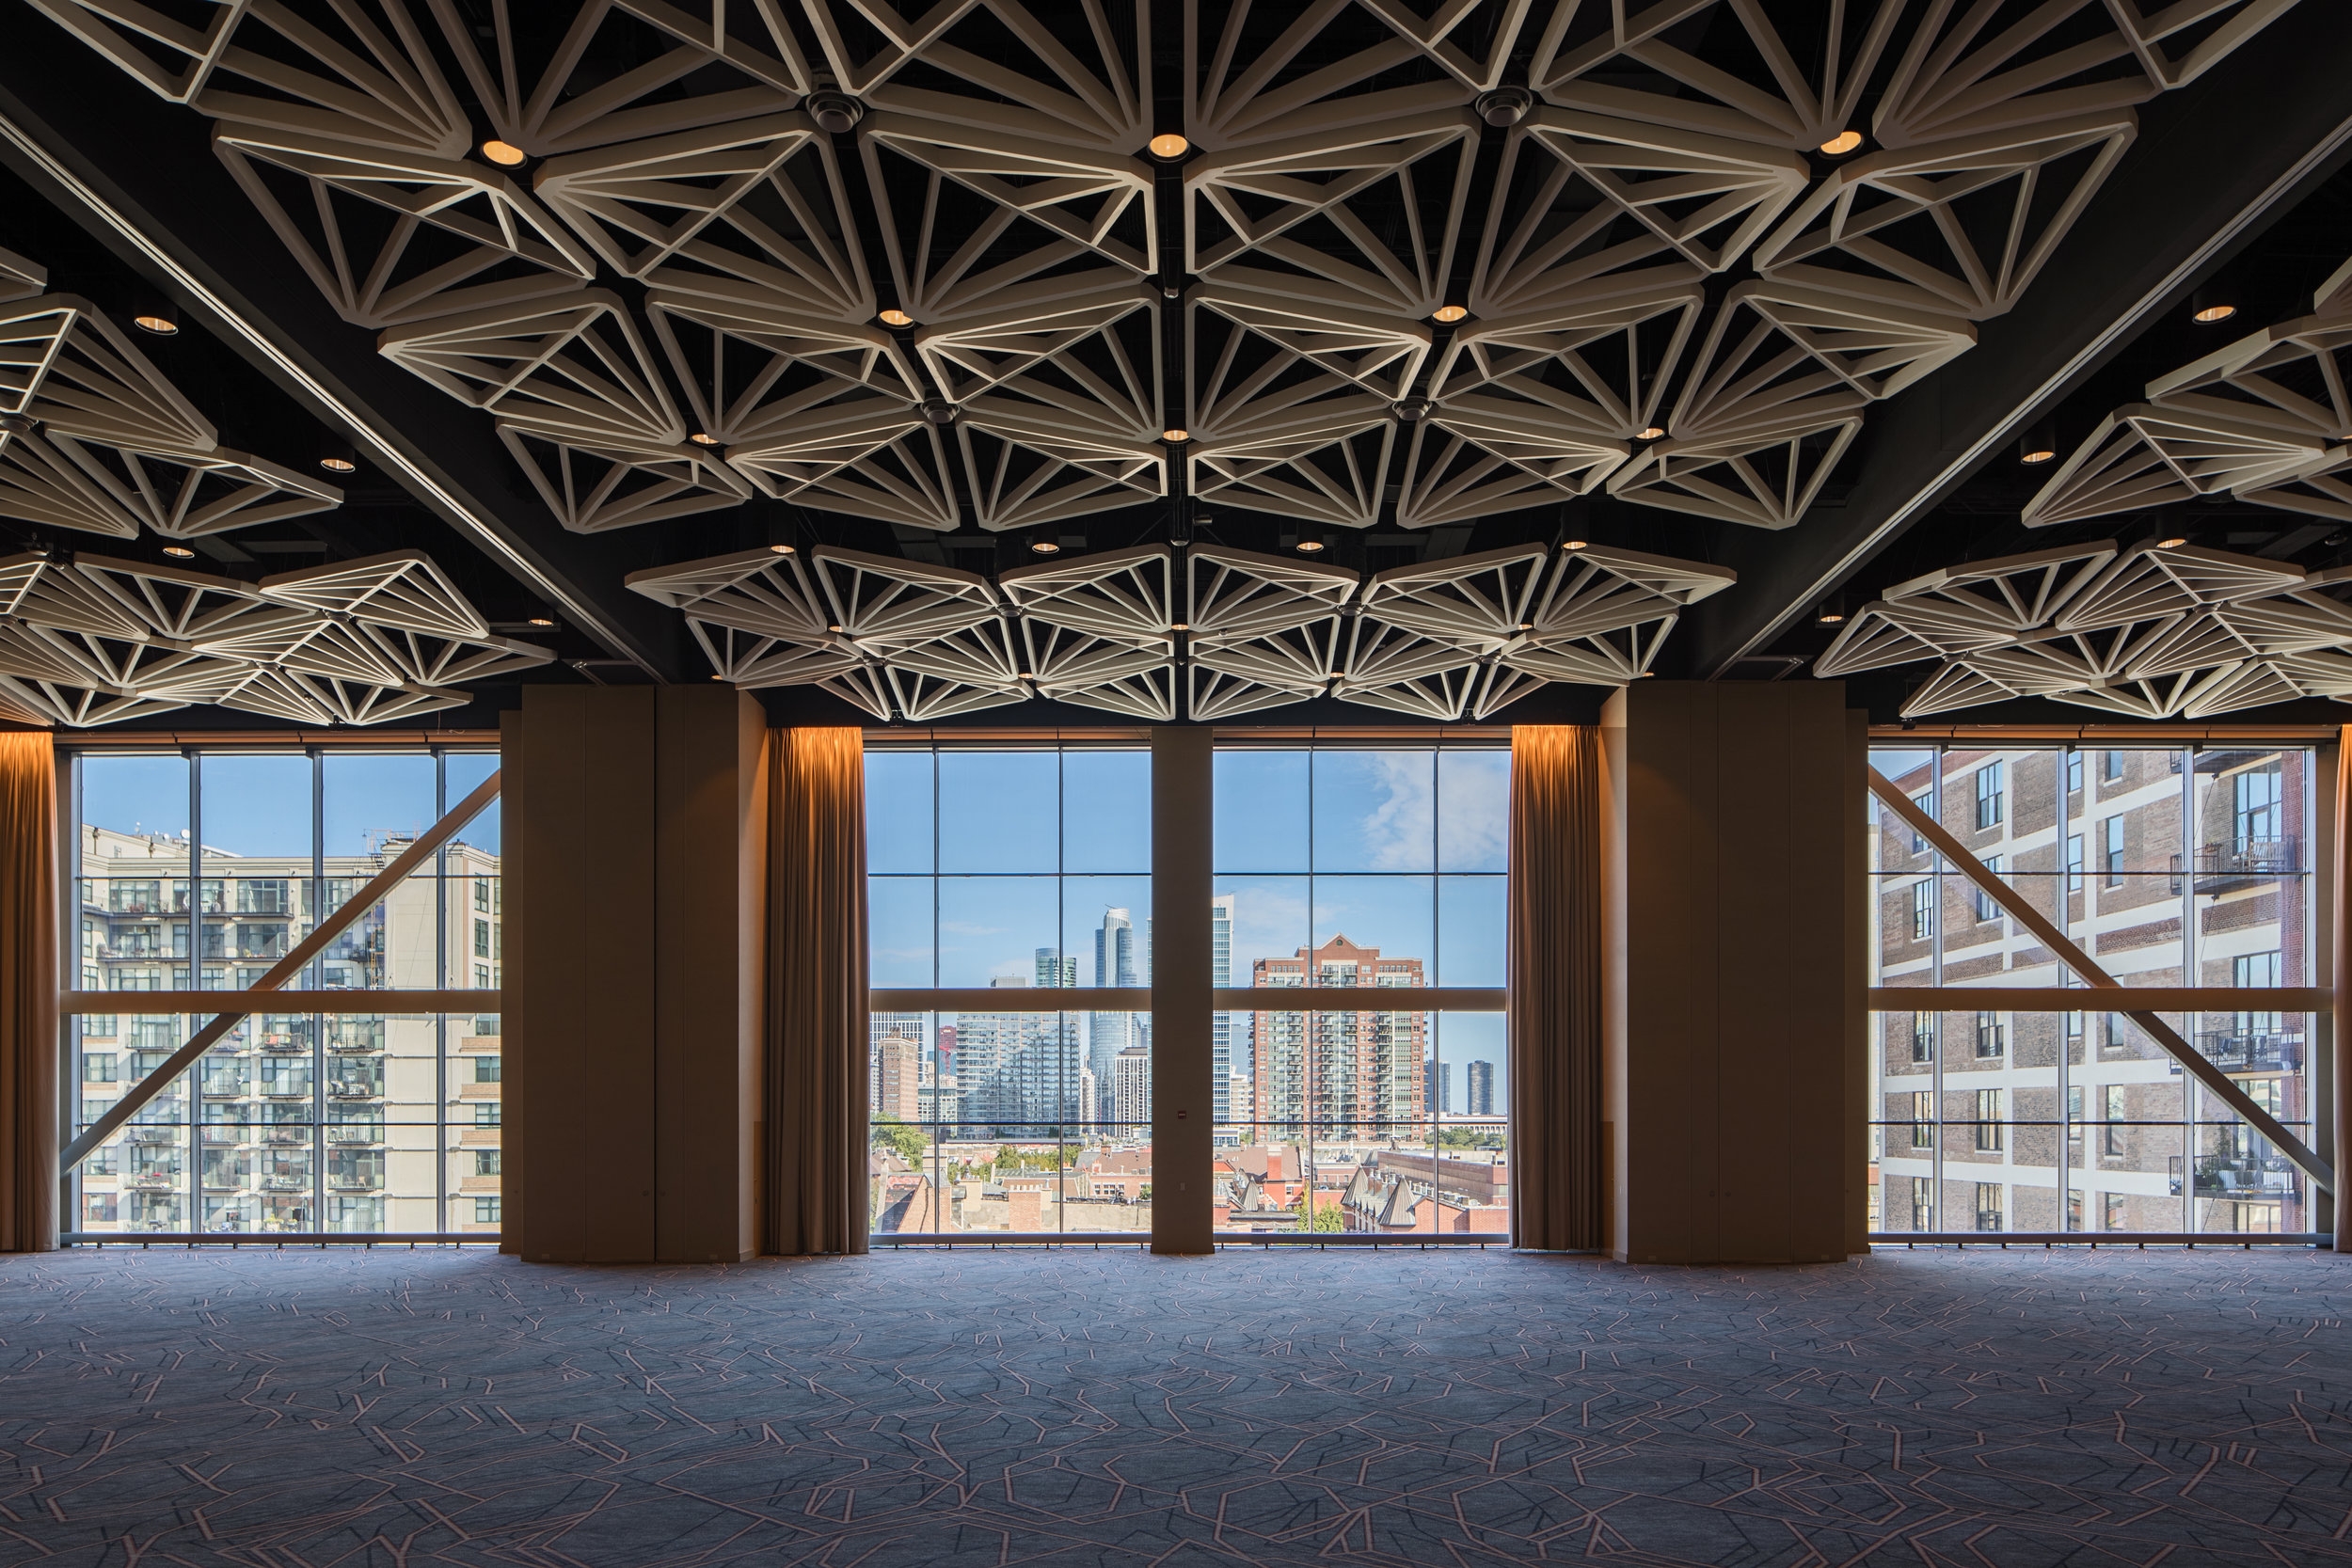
(287, 1410)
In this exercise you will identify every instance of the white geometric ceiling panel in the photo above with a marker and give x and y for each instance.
(1204, 632)
(2155, 632)
(906, 260)
(91, 641)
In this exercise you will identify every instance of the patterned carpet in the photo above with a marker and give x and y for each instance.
(296, 1410)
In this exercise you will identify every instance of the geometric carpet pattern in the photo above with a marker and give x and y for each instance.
(287, 1410)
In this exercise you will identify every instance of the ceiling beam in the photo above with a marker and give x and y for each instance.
(135, 172)
(2215, 162)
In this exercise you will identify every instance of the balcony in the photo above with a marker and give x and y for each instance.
(2242, 863)
(2251, 1052)
(285, 1184)
(2241, 1175)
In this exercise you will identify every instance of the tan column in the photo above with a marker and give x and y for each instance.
(632, 827)
(1183, 1032)
(1732, 987)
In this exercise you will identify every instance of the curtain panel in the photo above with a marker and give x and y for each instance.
(814, 1084)
(1554, 987)
(28, 993)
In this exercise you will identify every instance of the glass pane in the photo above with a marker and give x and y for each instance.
(997, 930)
(1106, 811)
(897, 812)
(898, 916)
(1107, 932)
(462, 772)
(1471, 914)
(1474, 811)
(999, 811)
(372, 806)
(1376, 811)
(1270, 928)
(1261, 807)
(1372, 930)
(258, 806)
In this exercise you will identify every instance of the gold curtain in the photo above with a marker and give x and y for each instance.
(813, 1083)
(1554, 981)
(28, 993)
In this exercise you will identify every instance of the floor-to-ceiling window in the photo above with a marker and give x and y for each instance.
(1335, 866)
(2171, 866)
(200, 871)
(1010, 871)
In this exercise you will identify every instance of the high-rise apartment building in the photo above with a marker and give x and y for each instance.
(1480, 1080)
(1221, 976)
(896, 1074)
(1017, 1068)
(1123, 957)
(1134, 1092)
(1339, 1069)
(1438, 1091)
(290, 1125)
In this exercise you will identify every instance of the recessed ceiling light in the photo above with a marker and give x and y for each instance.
(179, 552)
(1175, 437)
(2036, 454)
(2213, 313)
(2171, 543)
(503, 152)
(1180, 625)
(163, 327)
(1831, 618)
(1842, 143)
(780, 549)
(1451, 312)
(704, 438)
(1044, 546)
(1650, 433)
(541, 621)
(1310, 547)
(896, 317)
(1168, 144)
(334, 465)
(1574, 544)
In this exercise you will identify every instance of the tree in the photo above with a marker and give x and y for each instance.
(907, 1142)
(1325, 1217)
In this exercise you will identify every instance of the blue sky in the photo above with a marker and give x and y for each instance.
(261, 805)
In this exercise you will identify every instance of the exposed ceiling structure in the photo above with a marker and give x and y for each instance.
(1344, 294)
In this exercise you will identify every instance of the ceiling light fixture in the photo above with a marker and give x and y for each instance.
(338, 456)
(1650, 433)
(1044, 546)
(780, 549)
(2171, 543)
(1831, 618)
(1310, 547)
(2039, 444)
(504, 153)
(1175, 437)
(179, 552)
(162, 325)
(833, 628)
(2211, 306)
(1180, 625)
(704, 438)
(541, 621)
(1574, 544)
(335, 465)
(1842, 143)
(896, 317)
(1168, 144)
(1451, 313)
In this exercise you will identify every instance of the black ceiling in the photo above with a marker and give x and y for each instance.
(2238, 178)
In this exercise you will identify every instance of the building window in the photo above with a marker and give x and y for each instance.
(1923, 1037)
(1989, 1206)
(1922, 911)
(486, 1069)
(1922, 1118)
(1990, 1035)
(486, 1112)
(2111, 1211)
(1925, 801)
(481, 938)
(1989, 796)
(2073, 862)
(1988, 1126)
(485, 1161)
(1922, 1205)
(485, 1211)
(2256, 820)
(2073, 1207)
(482, 894)
(1988, 907)
(2114, 831)
(2110, 767)
(2112, 1115)
(2073, 771)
